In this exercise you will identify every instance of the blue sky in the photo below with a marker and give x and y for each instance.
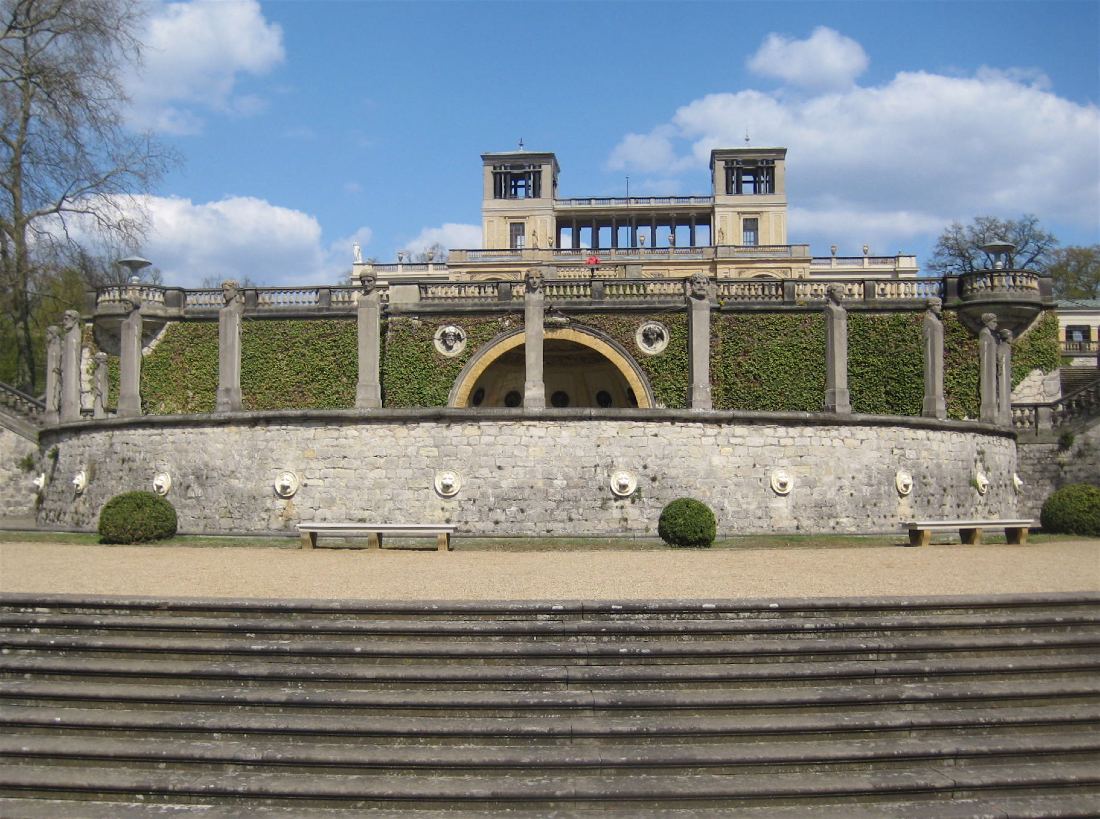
(308, 125)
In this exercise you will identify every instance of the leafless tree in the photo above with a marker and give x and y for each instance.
(65, 153)
(959, 248)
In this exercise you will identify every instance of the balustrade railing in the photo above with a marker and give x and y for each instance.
(459, 291)
(22, 404)
(119, 294)
(1003, 281)
(909, 289)
(607, 201)
(1067, 410)
(806, 290)
(204, 299)
(770, 290)
(283, 298)
(1072, 347)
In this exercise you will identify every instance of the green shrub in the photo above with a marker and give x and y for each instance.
(1073, 510)
(136, 517)
(687, 522)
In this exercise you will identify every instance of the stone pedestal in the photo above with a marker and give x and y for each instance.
(53, 375)
(698, 299)
(129, 364)
(70, 366)
(935, 405)
(987, 369)
(534, 308)
(836, 353)
(229, 349)
(368, 390)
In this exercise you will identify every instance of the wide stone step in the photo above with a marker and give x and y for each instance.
(554, 701)
(467, 791)
(497, 676)
(821, 755)
(604, 628)
(318, 724)
(1083, 801)
(622, 650)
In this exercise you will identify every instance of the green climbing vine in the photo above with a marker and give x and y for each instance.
(180, 374)
(298, 364)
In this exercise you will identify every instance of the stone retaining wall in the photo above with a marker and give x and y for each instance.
(524, 474)
(1045, 465)
(17, 492)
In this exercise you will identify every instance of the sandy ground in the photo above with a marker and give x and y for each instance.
(567, 575)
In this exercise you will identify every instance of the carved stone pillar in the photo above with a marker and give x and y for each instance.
(229, 348)
(368, 391)
(129, 363)
(53, 375)
(935, 405)
(987, 369)
(70, 366)
(697, 291)
(534, 388)
(1004, 377)
(837, 398)
(100, 386)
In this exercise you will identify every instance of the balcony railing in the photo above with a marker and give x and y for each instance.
(623, 201)
(1080, 347)
(1079, 405)
(984, 282)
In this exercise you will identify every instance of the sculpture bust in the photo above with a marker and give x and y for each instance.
(698, 286)
(835, 293)
(989, 321)
(69, 320)
(935, 307)
(534, 281)
(368, 281)
(231, 292)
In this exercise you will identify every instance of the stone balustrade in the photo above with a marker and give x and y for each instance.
(983, 282)
(1066, 411)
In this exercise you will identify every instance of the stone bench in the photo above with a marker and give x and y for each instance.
(374, 531)
(970, 531)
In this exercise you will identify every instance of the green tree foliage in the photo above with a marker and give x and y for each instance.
(64, 153)
(1076, 272)
(688, 523)
(1072, 510)
(959, 248)
(136, 517)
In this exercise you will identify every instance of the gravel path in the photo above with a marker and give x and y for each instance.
(568, 575)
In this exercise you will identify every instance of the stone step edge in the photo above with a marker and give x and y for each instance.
(953, 665)
(614, 607)
(821, 751)
(550, 699)
(599, 788)
(751, 724)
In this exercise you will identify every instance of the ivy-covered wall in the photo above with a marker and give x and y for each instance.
(180, 374)
(767, 361)
(759, 361)
(669, 372)
(414, 374)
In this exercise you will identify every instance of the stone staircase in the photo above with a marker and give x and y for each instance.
(878, 707)
(1077, 378)
(20, 412)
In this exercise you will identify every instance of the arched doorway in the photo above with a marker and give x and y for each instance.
(580, 369)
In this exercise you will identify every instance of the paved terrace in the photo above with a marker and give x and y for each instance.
(884, 567)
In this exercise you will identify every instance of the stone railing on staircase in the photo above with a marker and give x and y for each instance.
(24, 414)
(1068, 411)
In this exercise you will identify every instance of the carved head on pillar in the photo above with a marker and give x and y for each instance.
(934, 307)
(69, 320)
(698, 286)
(1005, 336)
(534, 280)
(53, 334)
(368, 281)
(231, 292)
(989, 321)
(834, 294)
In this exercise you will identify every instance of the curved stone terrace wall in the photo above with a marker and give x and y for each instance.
(522, 473)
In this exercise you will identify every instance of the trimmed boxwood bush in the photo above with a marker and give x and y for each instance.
(136, 517)
(687, 522)
(1073, 510)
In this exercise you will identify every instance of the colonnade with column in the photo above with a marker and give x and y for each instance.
(63, 356)
(656, 226)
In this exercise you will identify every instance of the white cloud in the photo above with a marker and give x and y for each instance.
(450, 235)
(826, 59)
(902, 159)
(240, 237)
(194, 55)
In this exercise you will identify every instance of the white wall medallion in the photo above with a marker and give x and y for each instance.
(80, 481)
(1017, 482)
(162, 483)
(981, 483)
(623, 484)
(39, 482)
(782, 482)
(286, 485)
(450, 340)
(447, 484)
(651, 337)
(903, 482)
